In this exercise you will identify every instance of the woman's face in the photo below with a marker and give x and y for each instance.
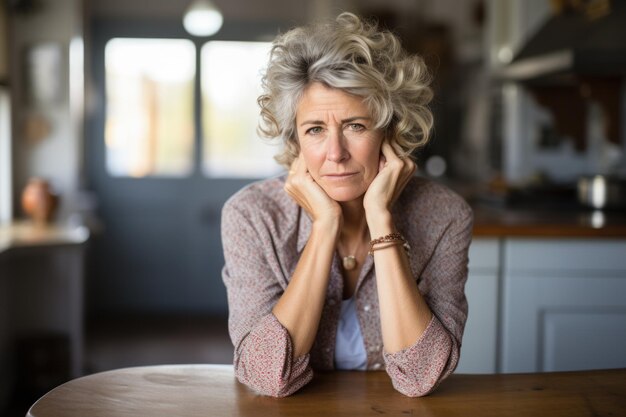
(338, 141)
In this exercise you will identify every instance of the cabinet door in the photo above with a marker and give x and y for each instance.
(478, 350)
(564, 306)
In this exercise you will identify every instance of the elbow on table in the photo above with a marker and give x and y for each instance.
(273, 382)
(271, 387)
(416, 389)
(278, 391)
(424, 379)
(418, 370)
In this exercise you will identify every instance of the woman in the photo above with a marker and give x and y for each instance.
(350, 106)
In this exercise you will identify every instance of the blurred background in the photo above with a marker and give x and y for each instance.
(123, 132)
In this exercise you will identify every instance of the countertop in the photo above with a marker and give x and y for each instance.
(490, 221)
(538, 212)
(23, 234)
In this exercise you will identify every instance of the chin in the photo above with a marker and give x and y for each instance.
(343, 195)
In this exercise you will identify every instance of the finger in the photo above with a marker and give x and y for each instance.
(407, 173)
(298, 168)
(409, 166)
(381, 162)
(408, 170)
(389, 153)
(301, 168)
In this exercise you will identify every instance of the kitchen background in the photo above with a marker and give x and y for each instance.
(142, 131)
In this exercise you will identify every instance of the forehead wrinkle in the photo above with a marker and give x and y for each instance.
(312, 122)
(322, 105)
(343, 121)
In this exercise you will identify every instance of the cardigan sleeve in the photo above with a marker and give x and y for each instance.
(418, 369)
(263, 356)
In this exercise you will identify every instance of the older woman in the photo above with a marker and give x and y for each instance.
(348, 262)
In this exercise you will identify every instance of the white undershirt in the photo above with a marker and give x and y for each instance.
(349, 347)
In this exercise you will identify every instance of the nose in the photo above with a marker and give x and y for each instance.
(336, 151)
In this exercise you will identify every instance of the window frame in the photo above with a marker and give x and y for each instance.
(105, 29)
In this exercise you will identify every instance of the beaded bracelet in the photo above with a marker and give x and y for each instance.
(390, 239)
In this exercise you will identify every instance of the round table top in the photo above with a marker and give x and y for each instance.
(165, 390)
(212, 390)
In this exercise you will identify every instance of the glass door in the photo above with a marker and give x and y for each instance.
(171, 137)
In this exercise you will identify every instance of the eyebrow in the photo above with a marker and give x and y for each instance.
(348, 120)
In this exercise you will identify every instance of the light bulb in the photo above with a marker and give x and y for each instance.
(202, 18)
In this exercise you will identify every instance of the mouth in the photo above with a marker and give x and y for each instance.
(339, 176)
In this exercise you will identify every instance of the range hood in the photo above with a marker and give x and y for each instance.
(577, 41)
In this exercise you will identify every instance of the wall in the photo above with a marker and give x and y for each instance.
(4, 67)
(524, 158)
(296, 10)
(5, 122)
(510, 23)
(5, 157)
(55, 154)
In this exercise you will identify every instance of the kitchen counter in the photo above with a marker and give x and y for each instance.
(41, 294)
(493, 221)
(541, 279)
(25, 234)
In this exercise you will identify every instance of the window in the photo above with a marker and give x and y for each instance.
(231, 82)
(149, 129)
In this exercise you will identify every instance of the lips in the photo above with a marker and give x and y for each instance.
(340, 175)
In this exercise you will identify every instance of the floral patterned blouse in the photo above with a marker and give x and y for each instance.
(264, 233)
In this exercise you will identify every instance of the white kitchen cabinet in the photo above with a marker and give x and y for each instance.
(564, 305)
(479, 348)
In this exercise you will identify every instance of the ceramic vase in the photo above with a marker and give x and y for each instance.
(38, 201)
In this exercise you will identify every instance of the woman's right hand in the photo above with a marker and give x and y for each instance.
(301, 186)
(299, 308)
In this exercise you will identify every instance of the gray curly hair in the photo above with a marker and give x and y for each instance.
(355, 56)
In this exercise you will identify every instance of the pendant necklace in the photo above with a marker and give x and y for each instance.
(349, 262)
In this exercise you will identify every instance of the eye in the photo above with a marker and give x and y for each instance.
(356, 127)
(315, 130)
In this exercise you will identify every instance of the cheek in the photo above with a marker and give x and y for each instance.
(312, 159)
(372, 161)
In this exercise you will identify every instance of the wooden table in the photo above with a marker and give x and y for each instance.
(211, 390)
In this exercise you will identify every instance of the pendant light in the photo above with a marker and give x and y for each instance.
(202, 18)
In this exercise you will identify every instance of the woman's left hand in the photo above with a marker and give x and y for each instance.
(394, 174)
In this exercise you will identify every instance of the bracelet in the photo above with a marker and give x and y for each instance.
(390, 240)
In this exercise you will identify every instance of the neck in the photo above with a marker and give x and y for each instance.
(354, 222)
(352, 241)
